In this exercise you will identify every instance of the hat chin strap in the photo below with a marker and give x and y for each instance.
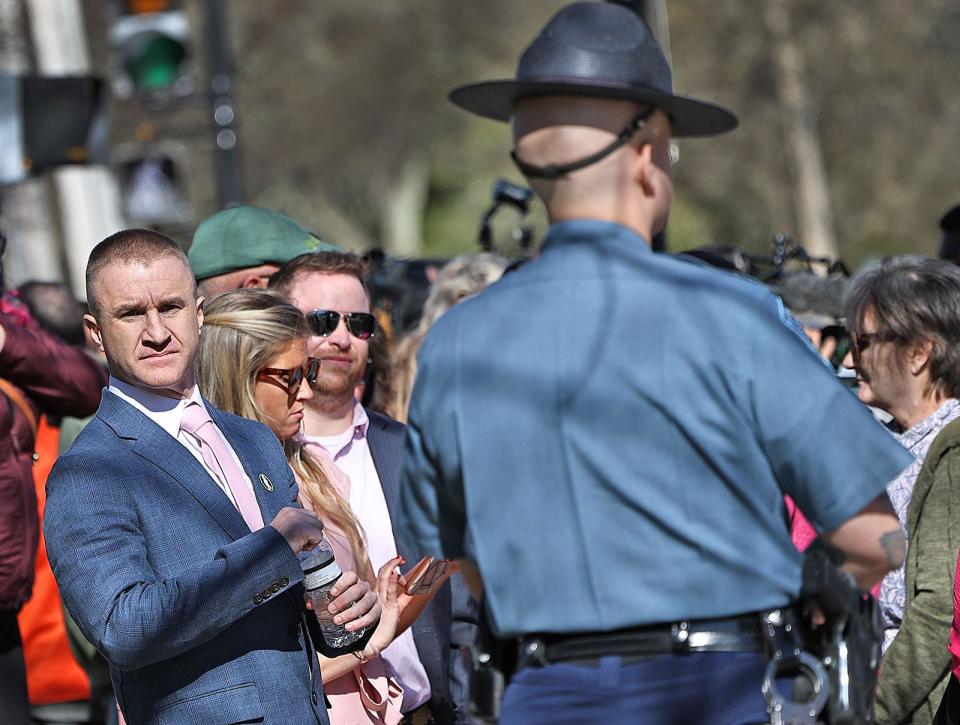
(555, 171)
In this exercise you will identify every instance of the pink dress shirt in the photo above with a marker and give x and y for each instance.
(803, 534)
(364, 492)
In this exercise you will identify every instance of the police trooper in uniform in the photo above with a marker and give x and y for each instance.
(605, 436)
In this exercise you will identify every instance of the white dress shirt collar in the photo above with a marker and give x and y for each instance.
(165, 412)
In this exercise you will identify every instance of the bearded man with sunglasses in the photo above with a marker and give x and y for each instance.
(904, 317)
(329, 289)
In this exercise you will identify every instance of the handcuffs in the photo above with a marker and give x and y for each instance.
(785, 657)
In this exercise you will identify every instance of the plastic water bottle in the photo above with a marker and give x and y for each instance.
(320, 573)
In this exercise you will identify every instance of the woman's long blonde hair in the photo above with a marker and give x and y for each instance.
(243, 332)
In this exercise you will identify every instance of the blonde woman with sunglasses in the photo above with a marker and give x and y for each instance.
(253, 362)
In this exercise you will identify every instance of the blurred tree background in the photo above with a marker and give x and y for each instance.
(344, 124)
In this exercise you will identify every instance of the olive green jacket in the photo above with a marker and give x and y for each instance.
(916, 667)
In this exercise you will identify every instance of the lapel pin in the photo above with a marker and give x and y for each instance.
(265, 482)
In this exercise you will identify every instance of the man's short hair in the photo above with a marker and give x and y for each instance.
(913, 298)
(128, 246)
(318, 263)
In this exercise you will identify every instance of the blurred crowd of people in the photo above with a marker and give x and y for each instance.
(615, 458)
(891, 333)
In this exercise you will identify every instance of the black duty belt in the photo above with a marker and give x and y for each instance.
(732, 634)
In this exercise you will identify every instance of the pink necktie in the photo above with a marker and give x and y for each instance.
(197, 422)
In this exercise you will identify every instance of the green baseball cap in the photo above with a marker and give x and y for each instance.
(248, 236)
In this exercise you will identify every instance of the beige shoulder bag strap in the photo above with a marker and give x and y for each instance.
(21, 402)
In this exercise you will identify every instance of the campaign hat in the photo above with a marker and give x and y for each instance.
(246, 236)
(598, 49)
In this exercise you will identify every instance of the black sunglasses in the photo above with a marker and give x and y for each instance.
(360, 324)
(290, 378)
(863, 340)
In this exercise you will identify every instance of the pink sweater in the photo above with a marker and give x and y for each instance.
(802, 532)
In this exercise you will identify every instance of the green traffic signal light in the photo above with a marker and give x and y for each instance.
(155, 65)
(153, 50)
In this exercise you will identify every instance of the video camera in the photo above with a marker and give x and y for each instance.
(510, 194)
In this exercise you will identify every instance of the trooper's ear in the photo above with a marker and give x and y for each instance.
(644, 168)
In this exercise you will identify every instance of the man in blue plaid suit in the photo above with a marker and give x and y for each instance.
(199, 613)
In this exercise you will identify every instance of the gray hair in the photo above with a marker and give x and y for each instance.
(461, 277)
(913, 298)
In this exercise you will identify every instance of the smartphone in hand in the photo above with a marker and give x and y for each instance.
(425, 574)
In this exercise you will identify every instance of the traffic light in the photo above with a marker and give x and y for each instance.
(151, 179)
(151, 39)
(46, 122)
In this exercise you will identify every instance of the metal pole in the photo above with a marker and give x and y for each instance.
(27, 215)
(89, 197)
(229, 181)
(638, 6)
(661, 28)
(655, 16)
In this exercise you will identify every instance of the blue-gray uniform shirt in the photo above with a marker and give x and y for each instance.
(608, 433)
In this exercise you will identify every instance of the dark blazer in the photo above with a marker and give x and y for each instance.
(431, 630)
(201, 620)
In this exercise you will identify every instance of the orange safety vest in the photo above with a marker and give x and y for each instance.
(53, 674)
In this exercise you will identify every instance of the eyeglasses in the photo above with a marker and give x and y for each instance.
(673, 150)
(863, 340)
(360, 324)
(290, 378)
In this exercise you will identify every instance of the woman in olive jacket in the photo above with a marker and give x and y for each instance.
(904, 318)
(917, 666)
